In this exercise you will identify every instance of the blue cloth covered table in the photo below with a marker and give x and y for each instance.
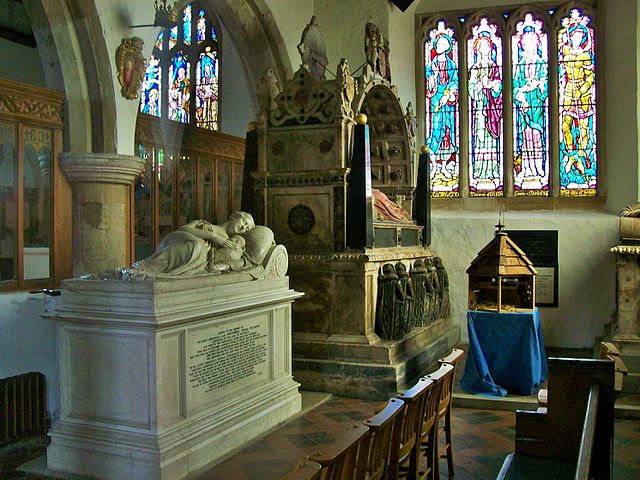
(506, 353)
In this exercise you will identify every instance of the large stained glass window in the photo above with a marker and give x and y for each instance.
(577, 101)
(442, 113)
(181, 80)
(507, 120)
(484, 59)
(530, 60)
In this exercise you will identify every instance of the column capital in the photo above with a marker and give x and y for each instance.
(101, 167)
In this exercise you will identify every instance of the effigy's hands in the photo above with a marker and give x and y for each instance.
(228, 244)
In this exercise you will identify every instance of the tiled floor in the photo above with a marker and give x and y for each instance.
(481, 439)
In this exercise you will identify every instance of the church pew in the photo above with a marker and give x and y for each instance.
(573, 438)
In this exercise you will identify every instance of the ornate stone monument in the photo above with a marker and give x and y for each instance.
(339, 195)
(173, 362)
(626, 328)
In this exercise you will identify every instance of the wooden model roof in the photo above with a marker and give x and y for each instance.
(501, 257)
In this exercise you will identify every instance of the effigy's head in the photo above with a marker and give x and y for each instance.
(240, 222)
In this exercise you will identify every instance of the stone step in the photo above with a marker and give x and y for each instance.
(631, 383)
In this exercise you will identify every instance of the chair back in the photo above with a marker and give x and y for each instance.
(305, 470)
(408, 454)
(444, 376)
(455, 355)
(383, 438)
(339, 459)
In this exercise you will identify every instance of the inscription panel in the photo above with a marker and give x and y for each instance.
(226, 358)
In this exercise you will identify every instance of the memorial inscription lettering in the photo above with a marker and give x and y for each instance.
(227, 356)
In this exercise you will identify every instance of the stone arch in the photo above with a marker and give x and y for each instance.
(69, 35)
(252, 29)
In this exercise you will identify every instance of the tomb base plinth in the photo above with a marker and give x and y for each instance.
(161, 378)
(335, 347)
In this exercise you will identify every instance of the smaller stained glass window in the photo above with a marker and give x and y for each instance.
(484, 58)
(151, 88)
(530, 60)
(173, 37)
(179, 75)
(201, 27)
(158, 43)
(186, 24)
(442, 110)
(577, 101)
(207, 90)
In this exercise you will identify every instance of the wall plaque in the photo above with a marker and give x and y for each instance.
(541, 247)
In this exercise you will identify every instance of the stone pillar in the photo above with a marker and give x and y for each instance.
(100, 184)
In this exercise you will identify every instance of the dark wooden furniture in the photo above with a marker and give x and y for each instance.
(573, 438)
(444, 415)
(339, 459)
(306, 470)
(429, 441)
(384, 436)
(406, 458)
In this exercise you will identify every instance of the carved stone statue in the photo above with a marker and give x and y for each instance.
(418, 274)
(443, 280)
(377, 51)
(412, 123)
(347, 87)
(386, 210)
(267, 91)
(201, 247)
(403, 312)
(313, 52)
(435, 289)
(389, 293)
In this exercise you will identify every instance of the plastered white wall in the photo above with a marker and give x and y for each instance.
(28, 342)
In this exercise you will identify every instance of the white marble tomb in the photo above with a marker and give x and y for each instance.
(161, 377)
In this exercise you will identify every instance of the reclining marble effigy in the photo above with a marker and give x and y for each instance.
(200, 247)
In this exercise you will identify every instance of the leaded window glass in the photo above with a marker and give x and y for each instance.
(577, 93)
(507, 120)
(530, 60)
(181, 80)
(442, 110)
(484, 57)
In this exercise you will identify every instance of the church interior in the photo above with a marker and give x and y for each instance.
(249, 239)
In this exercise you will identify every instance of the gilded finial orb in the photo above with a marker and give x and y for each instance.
(252, 126)
(424, 149)
(361, 119)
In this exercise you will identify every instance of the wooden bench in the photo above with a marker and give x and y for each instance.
(573, 438)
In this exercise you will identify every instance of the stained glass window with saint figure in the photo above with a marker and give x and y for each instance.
(442, 109)
(486, 139)
(530, 67)
(577, 101)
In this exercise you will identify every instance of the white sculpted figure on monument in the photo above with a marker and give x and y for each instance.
(201, 247)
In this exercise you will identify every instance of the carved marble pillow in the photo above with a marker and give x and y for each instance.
(259, 242)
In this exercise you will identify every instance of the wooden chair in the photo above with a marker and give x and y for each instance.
(434, 410)
(339, 459)
(429, 431)
(405, 459)
(305, 470)
(446, 399)
(384, 435)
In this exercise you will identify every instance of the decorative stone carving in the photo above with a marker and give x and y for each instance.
(304, 100)
(312, 50)
(410, 300)
(131, 66)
